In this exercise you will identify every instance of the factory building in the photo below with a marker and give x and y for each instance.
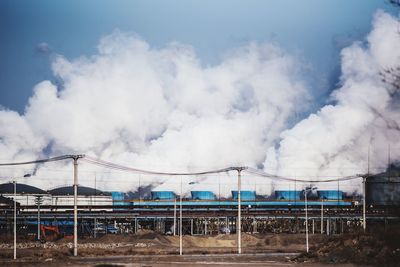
(26, 195)
(64, 196)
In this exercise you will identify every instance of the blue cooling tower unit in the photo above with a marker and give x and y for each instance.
(118, 198)
(288, 194)
(162, 195)
(202, 195)
(244, 195)
(330, 194)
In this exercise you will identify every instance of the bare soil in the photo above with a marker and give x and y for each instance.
(373, 249)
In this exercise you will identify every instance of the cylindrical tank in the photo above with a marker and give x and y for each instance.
(162, 195)
(288, 194)
(244, 195)
(330, 194)
(383, 190)
(202, 195)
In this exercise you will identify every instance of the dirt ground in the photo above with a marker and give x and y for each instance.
(378, 248)
(146, 246)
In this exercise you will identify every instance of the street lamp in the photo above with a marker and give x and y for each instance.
(15, 214)
(306, 190)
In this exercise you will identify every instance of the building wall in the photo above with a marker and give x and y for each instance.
(29, 199)
(82, 200)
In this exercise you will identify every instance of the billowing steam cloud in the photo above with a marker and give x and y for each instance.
(365, 114)
(160, 109)
(157, 109)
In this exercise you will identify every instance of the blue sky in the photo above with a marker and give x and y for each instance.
(313, 30)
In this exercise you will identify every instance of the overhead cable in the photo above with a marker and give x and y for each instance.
(64, 157)
(277, 177)
(114, 166)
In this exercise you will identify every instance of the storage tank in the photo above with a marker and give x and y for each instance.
(383, 189)
(202, 195)
(162, 195)
(330, 194)
(288, 194)
(244, 195)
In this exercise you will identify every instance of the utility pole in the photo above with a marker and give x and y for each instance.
(305, 195)
(76, 158)
(95, 200)
(15, 220)
(15, 215)
(322, 216)
(38, 201)
(365, 192)
(180, 222)
(364, 203)
(239, 220)
(174, 231)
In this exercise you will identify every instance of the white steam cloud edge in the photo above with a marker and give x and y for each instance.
(156, 109)
(160, 109)
(334, 142)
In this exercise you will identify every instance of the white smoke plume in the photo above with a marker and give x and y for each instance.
(156, 109)
(160, 109)
(364, 114)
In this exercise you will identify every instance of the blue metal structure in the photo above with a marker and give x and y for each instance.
(162, 195)
(119, 198)
(202, 195)
(330, 194)
(244, 195)
(288, 194)
(219, 204)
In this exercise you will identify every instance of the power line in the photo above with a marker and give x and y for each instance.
(64, 157)
(277, 177)
(114, 166)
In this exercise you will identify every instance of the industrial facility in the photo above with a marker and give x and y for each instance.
(329, 211)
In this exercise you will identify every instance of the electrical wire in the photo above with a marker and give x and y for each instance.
(114, 166)
(64, 157)
(277, 177)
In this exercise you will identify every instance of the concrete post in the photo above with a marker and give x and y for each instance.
(75, 206)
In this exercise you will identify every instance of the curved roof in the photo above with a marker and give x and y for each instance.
(8, 188)
(82, 191)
